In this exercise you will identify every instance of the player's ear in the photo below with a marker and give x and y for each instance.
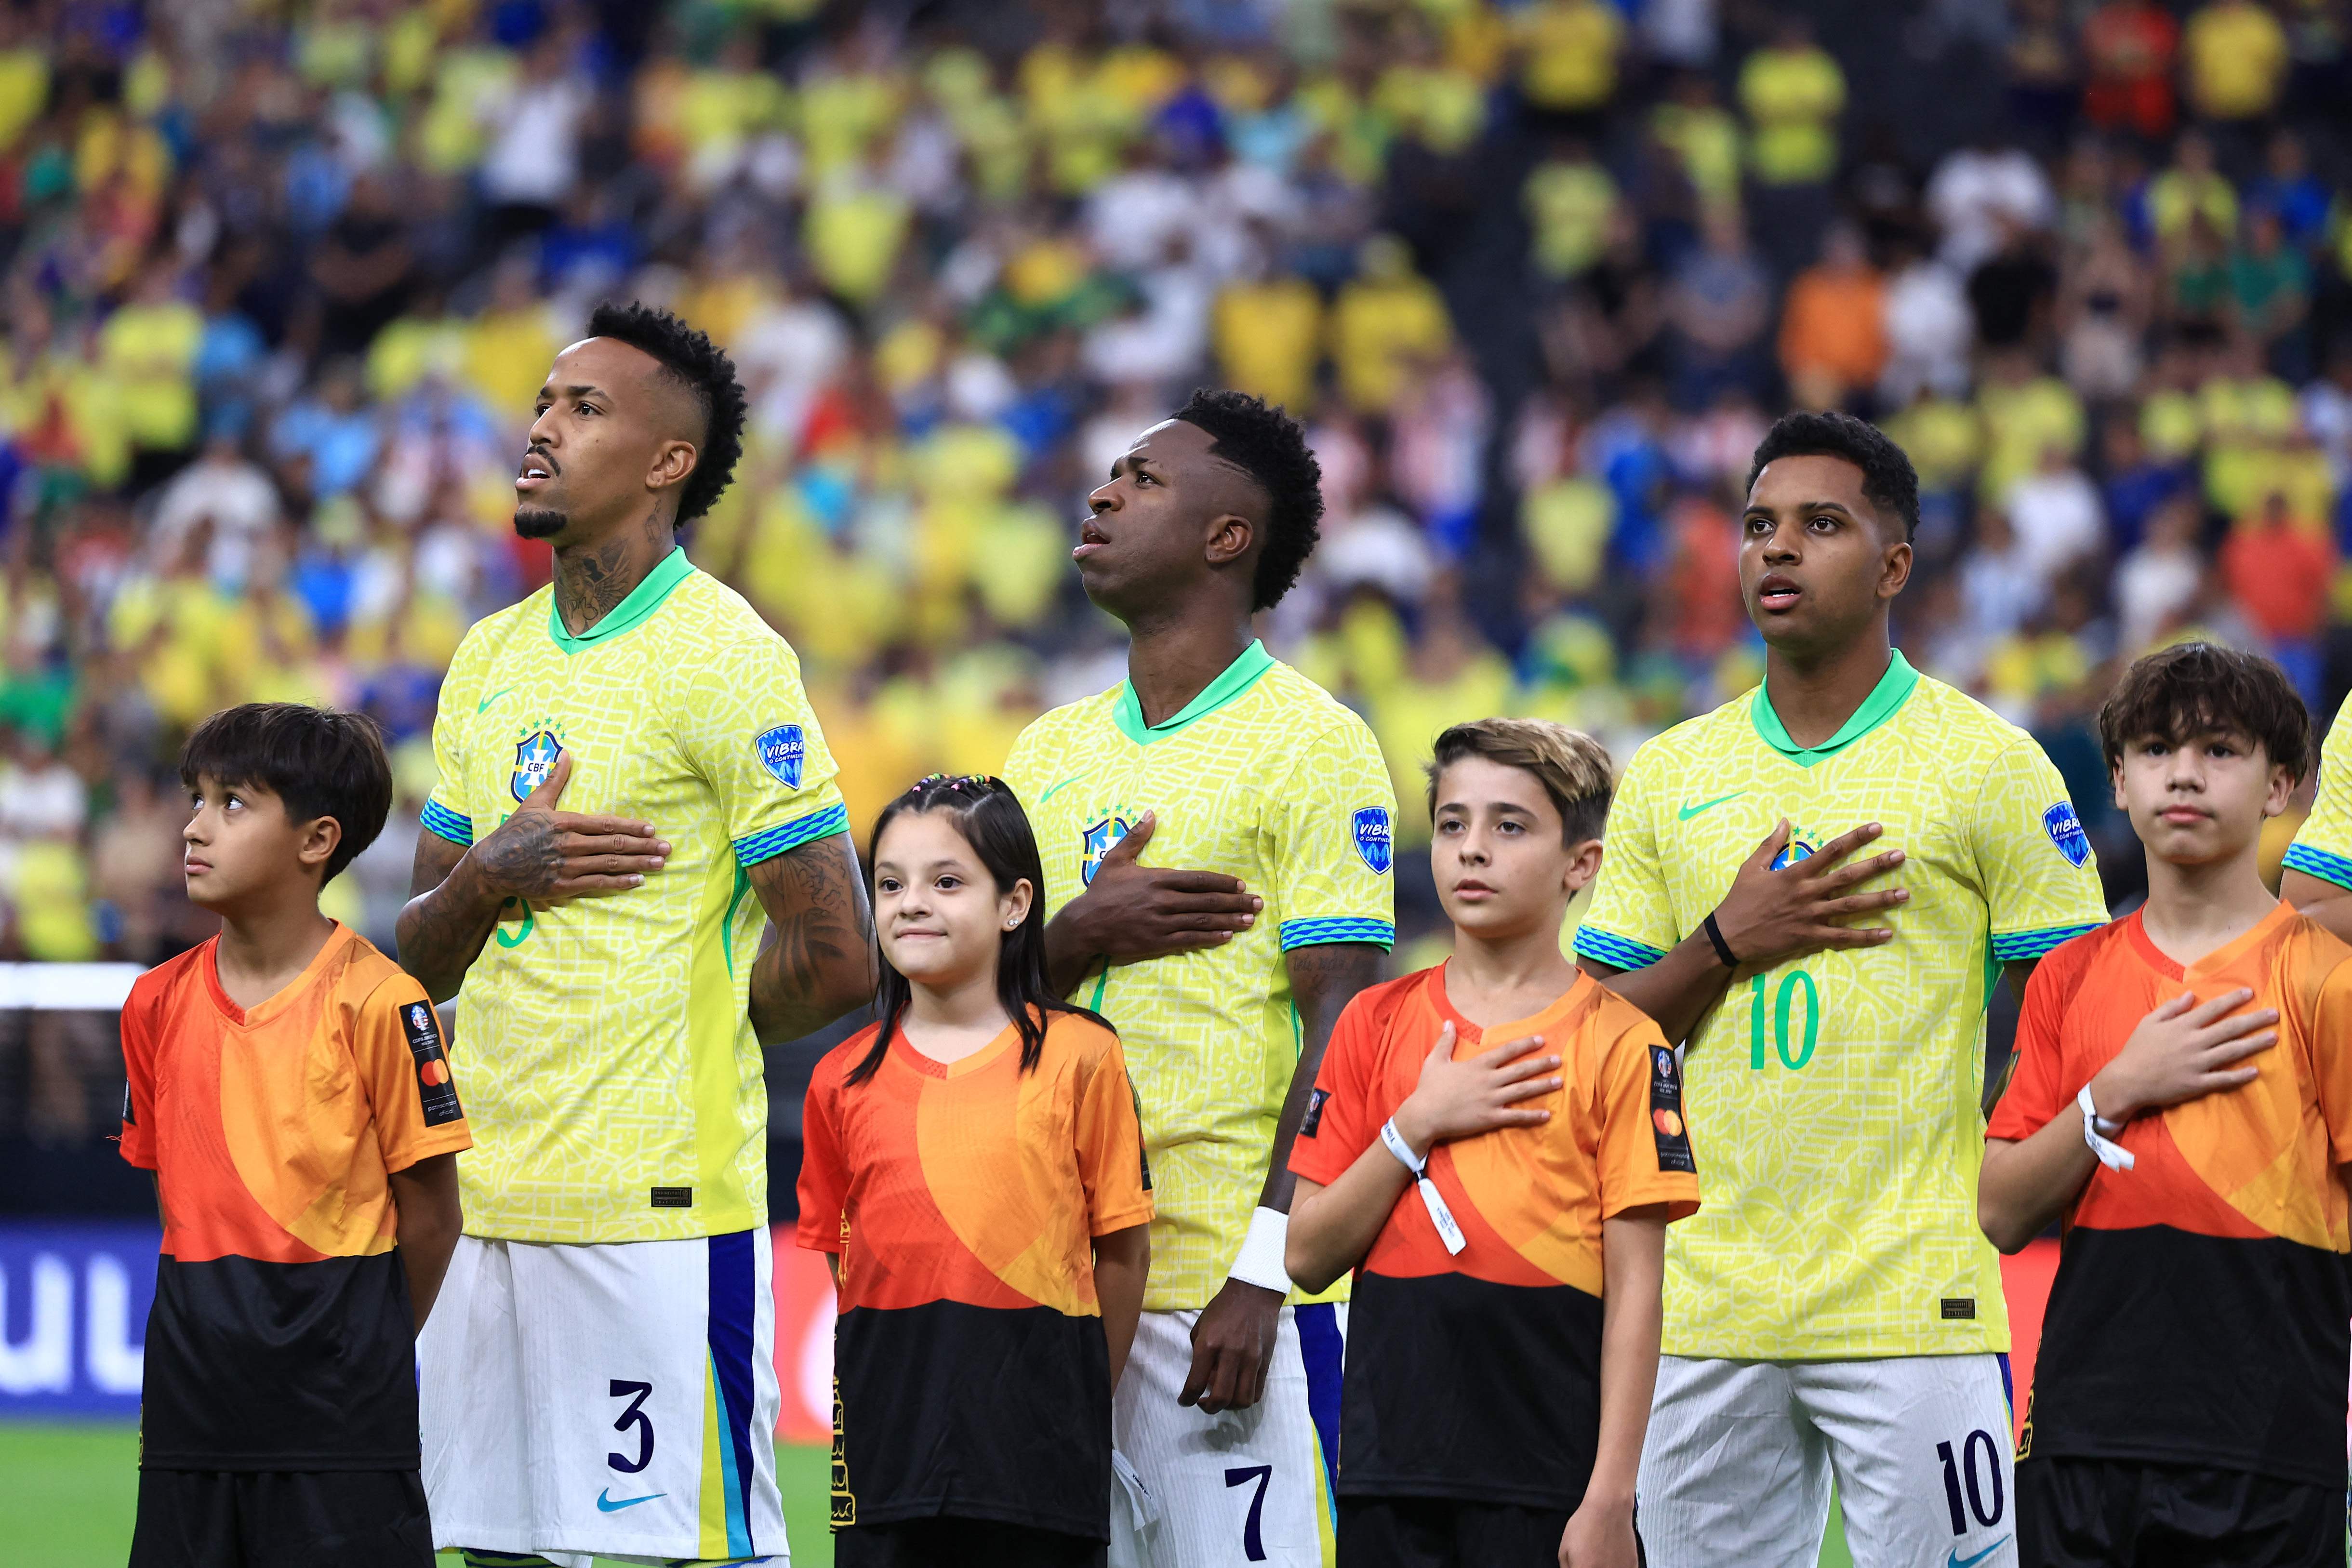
(1230, 535)
(1895, 568)
(2115, 777)
(674, 459)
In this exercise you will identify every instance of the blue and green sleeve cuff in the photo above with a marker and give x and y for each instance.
(2024, 946)
(442, 822)
(1338, 928)
(2316, 862)
(1617, 951)
(771, 842)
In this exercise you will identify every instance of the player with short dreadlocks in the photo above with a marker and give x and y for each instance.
(630, 781)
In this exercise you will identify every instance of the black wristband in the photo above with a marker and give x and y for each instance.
(1722, 947)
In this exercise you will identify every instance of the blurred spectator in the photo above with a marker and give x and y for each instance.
(2270, 291)
(2279, 569)
(2234, 59)
(1718, 304)
(2159, 581)
(1567, 52)
(1930, 330)
(2012, 289)
(2055, 513)
(2128, 48)
(1793, 93)
(1976, 191)
(2105, 305)
(229, 491)
(1569, 199)
(2289, 192)
(2191, 190)
(1387, 323)
(1833, 324)
(534, 124)
(363, 267)
(2044, 71)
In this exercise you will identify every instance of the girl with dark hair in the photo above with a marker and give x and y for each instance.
(973, 1163)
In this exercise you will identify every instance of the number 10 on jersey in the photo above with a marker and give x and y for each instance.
(1785, 1002)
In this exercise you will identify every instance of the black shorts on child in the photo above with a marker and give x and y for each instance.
(2113, 1513)
(281, 1519)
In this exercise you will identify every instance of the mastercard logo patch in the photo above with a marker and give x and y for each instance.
(435, 1073)
(1668, 1125)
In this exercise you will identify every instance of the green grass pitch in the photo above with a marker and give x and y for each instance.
(71, 1486)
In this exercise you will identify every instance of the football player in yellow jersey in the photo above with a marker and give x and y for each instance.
(2317, 876)
(631, 783)
(1224, 977)
(1834, 1312)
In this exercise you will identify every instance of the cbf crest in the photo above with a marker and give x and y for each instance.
(1375, 838)
(1096, 842)
(780, 751)
(1794, 850)
(535, 757)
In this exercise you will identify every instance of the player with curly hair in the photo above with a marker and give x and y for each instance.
(1834, 1313)
(631, 781)
(1225, 974)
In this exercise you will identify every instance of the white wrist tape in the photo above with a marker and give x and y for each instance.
(1260, 1262)
(1448, 1231)
(2112, 1155)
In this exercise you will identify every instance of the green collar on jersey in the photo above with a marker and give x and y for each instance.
(1238, 677)
(642, 601)
(1898, 684)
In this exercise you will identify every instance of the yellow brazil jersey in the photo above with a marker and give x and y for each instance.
(2322, 845)
(610, 1068)
(1832, 1101)
(1264, 776)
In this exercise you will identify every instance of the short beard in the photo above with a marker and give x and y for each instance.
(540, 522)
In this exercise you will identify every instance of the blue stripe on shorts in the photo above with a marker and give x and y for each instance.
(734, 1287)
(1321, 1347)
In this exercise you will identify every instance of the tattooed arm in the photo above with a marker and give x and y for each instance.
(817, 961)
(539, 853)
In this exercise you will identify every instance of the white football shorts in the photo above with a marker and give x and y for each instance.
(1741, 1455)
(1244, 1486)
(616, 1401)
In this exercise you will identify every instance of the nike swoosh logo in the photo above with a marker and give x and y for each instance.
(607, 1503)
(483, 706)
(1687, 813)
(1060, 788)
(1959, 1562)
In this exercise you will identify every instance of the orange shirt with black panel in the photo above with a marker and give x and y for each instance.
(963, 1200)
(2200, 1312)
(1477, 1377)
(281, 1337)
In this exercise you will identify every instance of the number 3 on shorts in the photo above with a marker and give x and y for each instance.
(635, 1415)
(1253, 1543)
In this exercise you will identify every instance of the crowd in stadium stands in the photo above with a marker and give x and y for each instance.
(279, 282)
